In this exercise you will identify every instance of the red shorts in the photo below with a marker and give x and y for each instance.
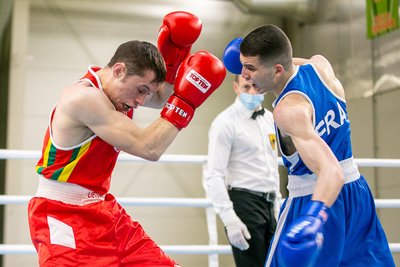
(96, 234)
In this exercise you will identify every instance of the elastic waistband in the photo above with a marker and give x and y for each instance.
(302, 185)
(66, 192)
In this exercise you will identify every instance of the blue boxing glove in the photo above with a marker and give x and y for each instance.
(302, 243)
(231, 57)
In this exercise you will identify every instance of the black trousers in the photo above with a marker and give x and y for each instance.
(258, 215)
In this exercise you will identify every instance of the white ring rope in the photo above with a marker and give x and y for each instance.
(186, 249)
(35, 154)
(172, 202)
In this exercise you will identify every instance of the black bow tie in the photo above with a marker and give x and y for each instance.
(257, 113)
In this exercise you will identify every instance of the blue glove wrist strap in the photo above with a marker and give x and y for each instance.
(317, 209)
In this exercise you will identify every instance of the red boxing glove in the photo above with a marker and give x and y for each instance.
(198, 77)
(175, 39)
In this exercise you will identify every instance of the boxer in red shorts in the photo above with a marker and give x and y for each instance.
(73, 219)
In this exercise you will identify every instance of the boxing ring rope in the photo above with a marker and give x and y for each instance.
(212, 249)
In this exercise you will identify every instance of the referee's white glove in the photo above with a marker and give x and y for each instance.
(236, 230)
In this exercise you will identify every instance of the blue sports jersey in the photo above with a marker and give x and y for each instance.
(353, 233)
(330, 116)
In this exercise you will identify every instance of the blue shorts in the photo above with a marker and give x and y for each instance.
(353, 234)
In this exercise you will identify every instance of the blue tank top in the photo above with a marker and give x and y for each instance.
(330, 116)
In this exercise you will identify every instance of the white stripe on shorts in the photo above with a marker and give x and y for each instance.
(278, 231)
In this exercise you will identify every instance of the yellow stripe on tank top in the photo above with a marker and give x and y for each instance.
(45, 156)
(70, 167)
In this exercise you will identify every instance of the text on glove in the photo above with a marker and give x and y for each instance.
(198, 81)
(178, 110)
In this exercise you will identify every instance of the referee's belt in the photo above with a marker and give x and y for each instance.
(268, 196)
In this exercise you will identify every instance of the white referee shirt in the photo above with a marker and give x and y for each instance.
(242, 152)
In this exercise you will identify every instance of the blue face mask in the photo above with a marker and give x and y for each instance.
(251, 101)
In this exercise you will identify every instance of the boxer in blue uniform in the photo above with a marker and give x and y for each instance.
(329, 218)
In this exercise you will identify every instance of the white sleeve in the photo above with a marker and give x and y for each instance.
(219, 149)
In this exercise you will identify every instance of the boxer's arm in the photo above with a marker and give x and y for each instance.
(160, 97)
(327, 73)
(301, 243)
(89, 110)
(293, 116)
(318, 60)
(300, 61)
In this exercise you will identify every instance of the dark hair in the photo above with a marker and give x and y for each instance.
(140, 56)
(270, 43)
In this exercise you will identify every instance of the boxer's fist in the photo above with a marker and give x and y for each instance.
(177, 34)
(231, 56)
(301, 245)
(198, 77)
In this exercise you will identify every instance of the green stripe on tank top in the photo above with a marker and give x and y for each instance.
(52, 155)
(58, 172)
